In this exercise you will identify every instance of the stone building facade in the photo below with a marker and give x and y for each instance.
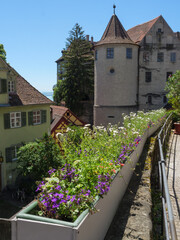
(131, 68)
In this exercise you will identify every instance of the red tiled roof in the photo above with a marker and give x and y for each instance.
(138, 32)
(115, 33)
(58, 111)
(28, 94)
(25, 93)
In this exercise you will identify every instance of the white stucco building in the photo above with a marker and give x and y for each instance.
(132, 67)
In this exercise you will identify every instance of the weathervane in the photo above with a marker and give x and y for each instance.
(114, 6)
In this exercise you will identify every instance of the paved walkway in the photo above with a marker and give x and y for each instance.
(173, 175)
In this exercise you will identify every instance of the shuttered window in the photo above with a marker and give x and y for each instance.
(37, 117)
(14, 120)
(3, 86)
(11, 153)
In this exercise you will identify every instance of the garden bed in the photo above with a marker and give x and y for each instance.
(87, 226)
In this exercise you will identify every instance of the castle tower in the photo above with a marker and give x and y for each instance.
(116, 74)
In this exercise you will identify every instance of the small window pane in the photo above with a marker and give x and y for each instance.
(128, 53)
(148, 77)
(173, 57)
(36, 117)
(160, 57)
(110, 52)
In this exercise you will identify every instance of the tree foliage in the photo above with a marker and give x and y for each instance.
(173, 88)
(77, 81)
(36, 158)
(2, 52)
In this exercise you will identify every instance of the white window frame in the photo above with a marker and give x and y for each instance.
(15, 153)
(15, 119)
(10, 86)
(36, 117)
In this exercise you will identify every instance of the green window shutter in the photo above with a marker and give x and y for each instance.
(43, 116)
(8, 154)
(3, 86)
(6, 120)
(23, 119)
(30, 118)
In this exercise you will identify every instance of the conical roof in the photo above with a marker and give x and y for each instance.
(115, 33)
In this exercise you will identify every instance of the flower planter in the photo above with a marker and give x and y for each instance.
(177, 128)
(87, 226)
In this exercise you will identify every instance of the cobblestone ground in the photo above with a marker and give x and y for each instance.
(173, 175)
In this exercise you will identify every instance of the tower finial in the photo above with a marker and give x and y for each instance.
(114, 6)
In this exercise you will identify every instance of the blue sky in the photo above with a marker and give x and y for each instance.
(34, 31)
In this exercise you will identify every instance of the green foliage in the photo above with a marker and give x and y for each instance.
(77, 81)
(35, 158)
(2, 52)
(173, 88)
(93, 157)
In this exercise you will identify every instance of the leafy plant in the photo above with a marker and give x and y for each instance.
(93, 157)
(35, 158)
(173, 88)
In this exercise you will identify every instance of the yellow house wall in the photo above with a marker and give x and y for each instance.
(14, 136)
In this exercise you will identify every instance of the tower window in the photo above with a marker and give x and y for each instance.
(112, 70)
(110, 53)
(148, 77)
(160, 57)
(128, 53)
(173, 57)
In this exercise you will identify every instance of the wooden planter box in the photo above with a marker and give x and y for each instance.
(87, 226)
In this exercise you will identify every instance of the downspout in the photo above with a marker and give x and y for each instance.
(138, 66)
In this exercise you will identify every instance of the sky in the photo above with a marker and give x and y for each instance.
(34, 32)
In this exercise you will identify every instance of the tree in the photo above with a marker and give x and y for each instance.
(36, 158)
(77, 81)
(173, 88)
(2, 52)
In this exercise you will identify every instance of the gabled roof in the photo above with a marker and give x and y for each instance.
(115, 33)
(60, 113)
(138, 32)
(28, 94)
(25, 93)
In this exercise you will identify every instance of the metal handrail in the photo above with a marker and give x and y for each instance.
(168, 217)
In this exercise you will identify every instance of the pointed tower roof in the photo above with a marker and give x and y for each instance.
(115, 33)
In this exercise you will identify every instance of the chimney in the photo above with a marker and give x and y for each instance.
(87, 38)
(92, 40)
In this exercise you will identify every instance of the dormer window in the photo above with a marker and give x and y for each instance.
(11, 86)
(110, 53)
